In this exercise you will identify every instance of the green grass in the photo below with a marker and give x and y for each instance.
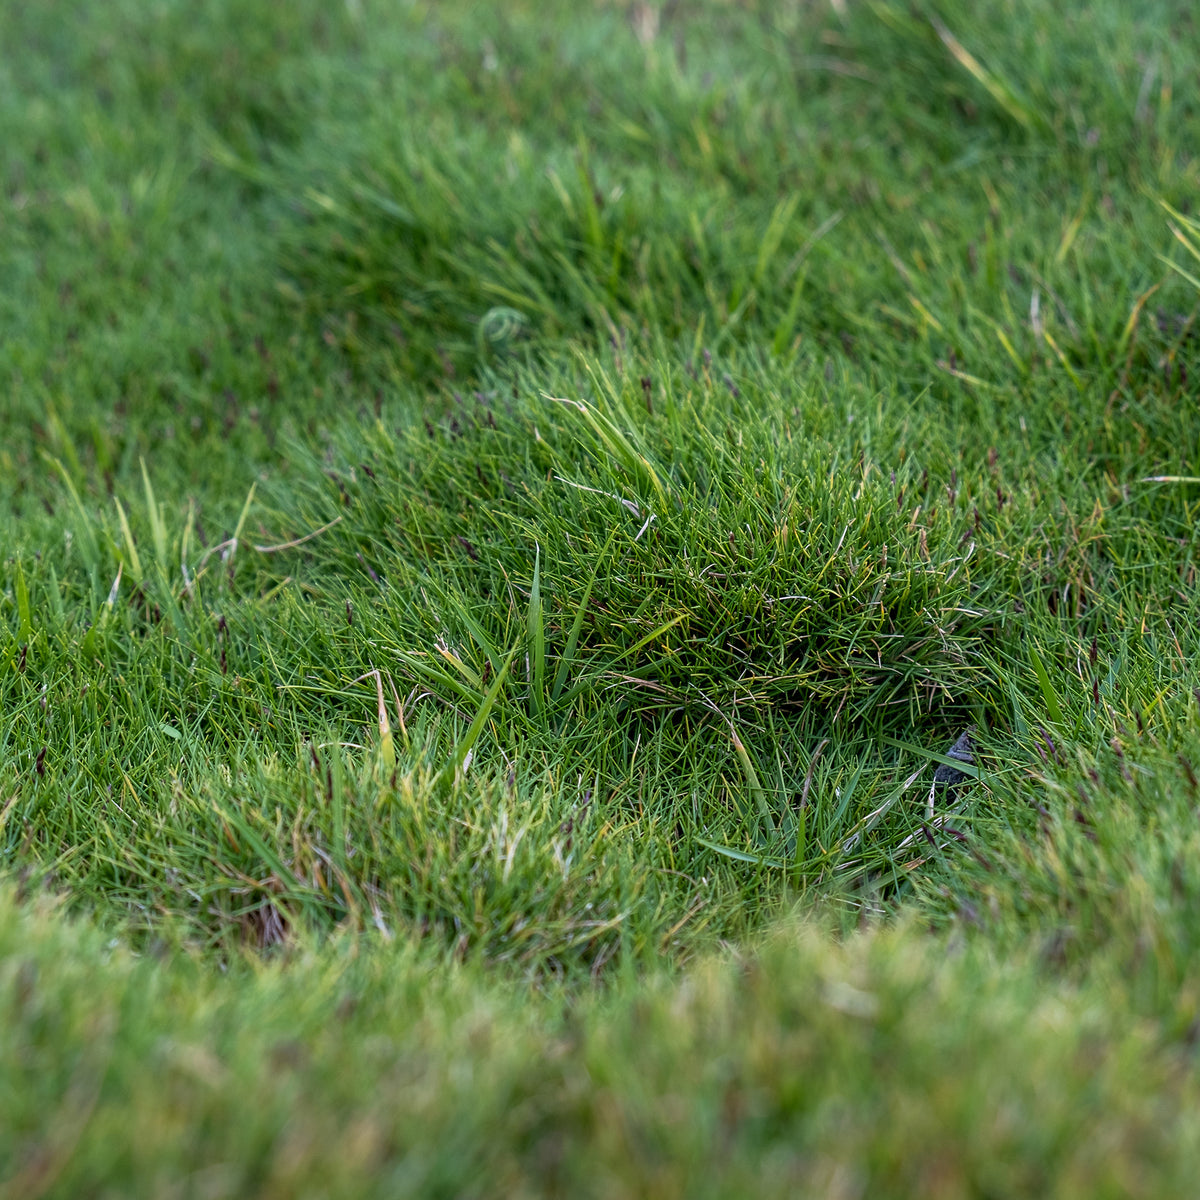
(503, 509)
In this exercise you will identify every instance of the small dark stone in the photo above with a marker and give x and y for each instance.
(962, 751)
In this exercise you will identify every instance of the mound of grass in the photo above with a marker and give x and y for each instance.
(504, 511)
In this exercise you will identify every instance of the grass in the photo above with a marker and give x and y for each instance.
(504, 509)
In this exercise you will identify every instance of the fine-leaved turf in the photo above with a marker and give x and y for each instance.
(503, 511)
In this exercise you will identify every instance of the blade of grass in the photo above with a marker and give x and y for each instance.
(24, 621)
(944, 759)
(450, 771)
(613, 440)
(568, 654)
(873, 818)
(135, 563)
(1048, 693)
(752, 781)
(158, 529)
(536, 634)
(387, 746)
(759, 860)
(648, 639)
(235, 541)
(997, 88)
(91, 551)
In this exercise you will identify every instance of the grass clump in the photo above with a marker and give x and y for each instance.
(494, 557)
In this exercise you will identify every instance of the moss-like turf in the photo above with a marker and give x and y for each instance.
(503, 511)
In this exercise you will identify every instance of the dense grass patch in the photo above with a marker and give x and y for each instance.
(504, 510)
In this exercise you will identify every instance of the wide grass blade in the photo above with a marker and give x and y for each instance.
(24, 618)
(1053, 708)
(158, 528)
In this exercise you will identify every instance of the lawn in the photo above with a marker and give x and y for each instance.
(505, 510)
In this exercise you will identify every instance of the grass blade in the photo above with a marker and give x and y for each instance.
(568, 654)
(997, 88)
(759, 860)
(91, 552)
(933, 755)
(387, 745)
(449, 772)
(649, 638)
(135, 563)
(237, 533)
(24, 621)
(1048, 693)
(752, 780)
(537, 640)
(158, 529)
